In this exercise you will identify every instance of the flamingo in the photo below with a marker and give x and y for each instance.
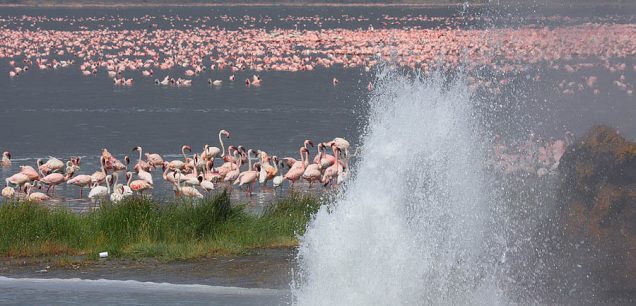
(6, 159)
(233, 173)
(178, 164)
(54, 179)
(325, 160)
(298, 168)
(277, 181)
(210, 173)
(342, 144)
(312, 173)
(154, 159)
(30, 173)
(8, 192)
(36, 196)
(51, 165)
(142, 167)
(119, 166)
(138, 185)
(248, 177)
(215, 82)
(333, 170)
(211, 152)
(168, 174)
(99, 176)
(205, 184)
(18, 179)
(187, 191)
(267, 171)
(82, 180)
(192, 178)
(117, 195)
(99, 191)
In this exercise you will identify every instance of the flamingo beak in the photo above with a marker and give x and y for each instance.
(311, 143)
(135, 149)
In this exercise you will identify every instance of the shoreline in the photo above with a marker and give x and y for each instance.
(297, 5)
(258, 4)
(264, 268)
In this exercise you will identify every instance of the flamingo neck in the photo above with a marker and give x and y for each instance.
(302, 157)
(139, 159)
(222, 145)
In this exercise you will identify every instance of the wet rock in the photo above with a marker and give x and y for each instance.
(598, 188)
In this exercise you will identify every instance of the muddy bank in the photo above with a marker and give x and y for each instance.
(263, 268)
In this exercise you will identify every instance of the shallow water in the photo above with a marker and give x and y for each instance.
(62, 113)
(21, 291)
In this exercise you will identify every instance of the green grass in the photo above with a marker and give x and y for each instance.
(140, 228)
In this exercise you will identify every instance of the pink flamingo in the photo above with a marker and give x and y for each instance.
(298, 168)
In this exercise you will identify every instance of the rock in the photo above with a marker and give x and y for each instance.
(598, 192)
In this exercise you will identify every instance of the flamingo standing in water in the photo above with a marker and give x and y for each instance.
(8, 192)
(138, 185)
(342, 144)
(6, 159)
(154, 159)
(332, 172)
(99, 176)
(210, 153)
(30, 173)
(250, 176)
(323, 159)
(267, 172)
(98, 191)
(180, 164)
(278, 180)
(54, 179)
(186, 191)
(143, 167)
(232, 172)
(18, 179)
(51, 165)
(298, 168)
(35, 196)
(82, 180)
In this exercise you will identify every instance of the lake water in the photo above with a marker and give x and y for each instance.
(62, 113)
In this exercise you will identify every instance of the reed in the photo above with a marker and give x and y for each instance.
(140, 227)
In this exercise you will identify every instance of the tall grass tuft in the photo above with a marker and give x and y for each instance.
(140, 227)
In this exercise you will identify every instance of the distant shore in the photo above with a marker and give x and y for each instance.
(433, 3)
(80, 4)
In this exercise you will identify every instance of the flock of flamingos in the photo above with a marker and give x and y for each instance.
(194, 175)
(193, 51)
(189, 176)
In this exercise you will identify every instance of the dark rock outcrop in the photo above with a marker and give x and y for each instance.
(598, 196)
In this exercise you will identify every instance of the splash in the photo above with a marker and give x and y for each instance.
(417, 224)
